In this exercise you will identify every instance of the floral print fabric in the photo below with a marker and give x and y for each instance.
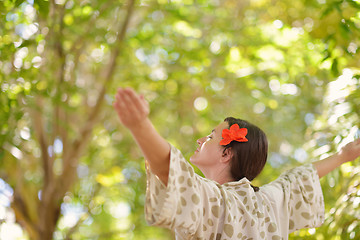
(198, 208)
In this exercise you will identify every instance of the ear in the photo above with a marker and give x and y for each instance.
(226, 155)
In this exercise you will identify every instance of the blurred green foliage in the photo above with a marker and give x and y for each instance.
(291, 68)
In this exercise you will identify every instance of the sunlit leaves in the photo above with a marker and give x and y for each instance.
(337, 126)
(115, 176)
(196, 62)
(185, 29)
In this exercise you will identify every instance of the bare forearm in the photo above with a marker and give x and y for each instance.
(327, 165)
(155, 149)
(348, 153)
(133, 111)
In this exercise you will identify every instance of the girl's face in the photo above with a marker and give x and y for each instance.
(210, 151)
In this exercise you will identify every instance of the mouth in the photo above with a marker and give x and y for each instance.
(197, 150)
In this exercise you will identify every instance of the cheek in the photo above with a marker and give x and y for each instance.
(212, 147)
(214, 143)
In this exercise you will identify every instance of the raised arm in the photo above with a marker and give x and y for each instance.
(133, 111)
(348, 153)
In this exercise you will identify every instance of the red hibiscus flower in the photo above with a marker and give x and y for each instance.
(235, 133)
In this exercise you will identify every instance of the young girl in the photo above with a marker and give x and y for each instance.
(224, 205)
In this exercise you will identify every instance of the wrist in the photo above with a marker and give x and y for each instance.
(140, 127)
(343, 157)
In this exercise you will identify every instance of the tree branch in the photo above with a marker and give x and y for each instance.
(37, 118)
(24, 204)
(22, 218)
(79, 42)
(59, 51)
(71, 159)
(58, 117)
(82, 219)
(49, 209)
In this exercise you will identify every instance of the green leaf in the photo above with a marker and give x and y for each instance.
(283, 90)
(19, 2)
(42, 6)
(353, 4)
(334, 67)
(327, 11)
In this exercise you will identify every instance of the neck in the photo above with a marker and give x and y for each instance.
(220, 174)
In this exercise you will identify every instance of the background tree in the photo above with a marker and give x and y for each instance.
(69, 171)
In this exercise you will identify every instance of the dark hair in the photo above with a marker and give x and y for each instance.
(249, 158)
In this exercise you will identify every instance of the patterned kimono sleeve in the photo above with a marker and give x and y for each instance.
(177, 205)
(299, 198)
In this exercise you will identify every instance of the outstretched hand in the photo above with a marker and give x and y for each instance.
(350, 151)
(133, 111)
(131, 108)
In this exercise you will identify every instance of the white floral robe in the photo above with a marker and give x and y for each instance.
(198, 208)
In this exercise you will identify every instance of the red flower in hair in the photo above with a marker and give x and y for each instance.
(235, 133)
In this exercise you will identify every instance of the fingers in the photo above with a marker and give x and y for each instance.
(130, 107)
(355, 143)
(119, 101)
(136, 100)
(120, 107)
(146, 103)
(125, 103)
